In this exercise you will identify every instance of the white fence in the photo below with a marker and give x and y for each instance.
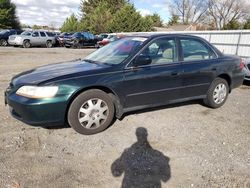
(229, 42)
(236, 42)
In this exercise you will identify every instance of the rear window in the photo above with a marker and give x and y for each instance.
(42, 34)
(50, 34)
(194, 49)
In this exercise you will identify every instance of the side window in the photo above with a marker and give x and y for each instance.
(35, 34)
(86, 35)
(161, 51)
(92, 37)
(196, 50)
(42, 34)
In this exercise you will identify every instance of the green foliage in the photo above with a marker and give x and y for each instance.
(155, 20)
(174, 20)
(89, 6)
(99, 20)
(232, 25)
(8, 18)
(70, 24)
(129, 20)
(247, 24)
(36, 27)
(100, 16)
(25, 26)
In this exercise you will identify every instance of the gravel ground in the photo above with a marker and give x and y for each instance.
(183, 145)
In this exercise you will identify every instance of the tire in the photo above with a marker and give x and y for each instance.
(91, 112)
(49, 44)
(26, 44)
(3, 42)
(217, 93)
(77, 44)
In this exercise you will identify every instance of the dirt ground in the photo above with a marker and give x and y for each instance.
(189, 145)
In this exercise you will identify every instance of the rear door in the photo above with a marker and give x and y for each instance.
(199, 63)
(157, 83)
(43, 38)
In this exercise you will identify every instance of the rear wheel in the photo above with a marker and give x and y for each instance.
(91, 112)
(217, 93)
(26, 44)
(49, 44)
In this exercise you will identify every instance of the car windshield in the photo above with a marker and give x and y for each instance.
(116, 52)
(66, 34)
(4, 32)
(110, 36)
(76, 35)
(26, 33)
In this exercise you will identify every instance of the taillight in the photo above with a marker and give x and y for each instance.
(242, 63)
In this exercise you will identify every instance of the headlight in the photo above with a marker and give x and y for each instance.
(37, 92)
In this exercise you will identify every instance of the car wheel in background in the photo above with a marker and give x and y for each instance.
(77, 44)
(217, 93)
(3, 42)
(26, 44)
(49, 44)
(91, 112)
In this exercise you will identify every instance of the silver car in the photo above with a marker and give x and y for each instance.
(28, 39)
(247, 69)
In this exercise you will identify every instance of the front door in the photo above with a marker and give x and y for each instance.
(158, 82)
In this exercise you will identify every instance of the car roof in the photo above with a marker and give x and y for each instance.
(155, 35)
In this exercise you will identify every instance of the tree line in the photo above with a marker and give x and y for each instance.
(217, 14)
(100, 16)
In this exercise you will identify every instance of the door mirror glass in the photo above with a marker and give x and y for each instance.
(142, 60)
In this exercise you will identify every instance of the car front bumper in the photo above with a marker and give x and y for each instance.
(15, 42)
(40, 112)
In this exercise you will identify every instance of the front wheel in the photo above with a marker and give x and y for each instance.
(26, 44)
(217, 93)
(91, 112)
(3, 42)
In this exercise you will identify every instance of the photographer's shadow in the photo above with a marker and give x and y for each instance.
(143, 167)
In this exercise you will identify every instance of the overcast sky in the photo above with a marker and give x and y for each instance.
(47, 12)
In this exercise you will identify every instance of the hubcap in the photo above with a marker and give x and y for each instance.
(220, 93)
(93, 113)
(27, 44)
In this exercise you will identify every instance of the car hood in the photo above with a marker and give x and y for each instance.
(56, 71)
(13, 36)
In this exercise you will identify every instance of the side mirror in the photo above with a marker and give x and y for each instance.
(142, 60)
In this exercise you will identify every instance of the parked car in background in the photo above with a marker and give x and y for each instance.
(29, 39)
(247, 69)
(110, 38)
(102, 36)
(80, 39)
(60, 38)
(133, 73)
(4, 35)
